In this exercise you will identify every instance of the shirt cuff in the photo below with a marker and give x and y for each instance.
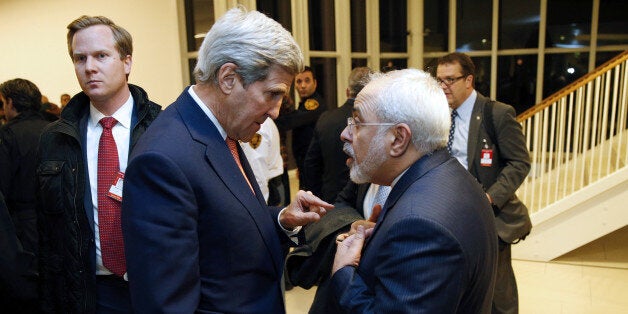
(290, 233)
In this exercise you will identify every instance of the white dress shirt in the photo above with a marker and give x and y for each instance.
(461, 132)
(265, 159)
(122, 135)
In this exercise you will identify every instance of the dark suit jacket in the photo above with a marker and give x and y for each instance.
(510, 166)
(433, 249)
(325, 170)
(196, 238)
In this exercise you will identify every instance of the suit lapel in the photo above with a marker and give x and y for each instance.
(414, 173)
(221, 161)
(474, 130)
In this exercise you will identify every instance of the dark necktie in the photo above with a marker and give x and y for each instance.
(450, 141)
(109, 225)
(233, 148)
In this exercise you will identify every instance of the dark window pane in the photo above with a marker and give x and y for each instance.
(482, 78)
(279, 10)
(322, 25)
(387, 65)
(393, 27)
(519, 24)
(199, 17)
(473, 23)
(613, 23)
(358, 63)
(191, 65)
(562, 69)
(516, 83)
(436, 13)
(358, 25)
(568, 23)
(325, 69)
(603, 56)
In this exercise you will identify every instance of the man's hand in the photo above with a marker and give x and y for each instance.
(306, 208)
(349, 251)
(367, 224)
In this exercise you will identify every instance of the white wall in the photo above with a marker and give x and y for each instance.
(33, 43)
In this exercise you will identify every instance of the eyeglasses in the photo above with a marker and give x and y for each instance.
(449, 80)
(351, 123)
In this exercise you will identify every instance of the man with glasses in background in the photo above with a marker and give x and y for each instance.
(488, 141)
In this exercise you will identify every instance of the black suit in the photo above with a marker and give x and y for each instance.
(325, 170)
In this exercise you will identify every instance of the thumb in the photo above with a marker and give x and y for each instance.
(377, 209)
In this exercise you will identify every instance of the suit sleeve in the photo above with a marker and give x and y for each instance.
(419, 269)
(159, 224)
(514, 156)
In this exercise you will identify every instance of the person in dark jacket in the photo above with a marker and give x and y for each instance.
(82, 263)
(18, 161)
(325, 170)
(303, 120)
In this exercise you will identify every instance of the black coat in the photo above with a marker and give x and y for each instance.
(18, 161)
(18, 277)
(310, 264)
(302, 122)
(325, 170)
(67, 247)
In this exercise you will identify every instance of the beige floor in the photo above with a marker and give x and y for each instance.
(591, 279)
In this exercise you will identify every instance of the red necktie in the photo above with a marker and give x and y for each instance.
(233, 148)
(109, 210)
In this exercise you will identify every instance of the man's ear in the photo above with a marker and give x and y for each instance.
(401, 139)
(227, 77)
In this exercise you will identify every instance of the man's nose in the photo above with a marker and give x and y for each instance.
(345, 136)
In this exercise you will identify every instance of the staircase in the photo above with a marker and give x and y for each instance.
(577, 189)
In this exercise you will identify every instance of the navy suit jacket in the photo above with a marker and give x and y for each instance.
(196, 238)
(433, 250)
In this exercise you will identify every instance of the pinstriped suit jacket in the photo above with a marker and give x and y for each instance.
(433, 249)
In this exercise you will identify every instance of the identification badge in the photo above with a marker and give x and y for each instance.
(486, 159)
(115, 191)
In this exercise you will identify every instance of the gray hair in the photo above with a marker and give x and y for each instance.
(412, 97)
(358, 78)
(252, 41)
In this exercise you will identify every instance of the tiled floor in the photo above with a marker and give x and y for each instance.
(591, 279)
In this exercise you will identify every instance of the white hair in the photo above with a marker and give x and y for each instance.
(412, 97)
(252, 41)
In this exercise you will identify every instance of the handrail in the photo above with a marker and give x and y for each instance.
(573, 86)
(577, 136)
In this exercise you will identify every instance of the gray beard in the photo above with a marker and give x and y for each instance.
(361, 173)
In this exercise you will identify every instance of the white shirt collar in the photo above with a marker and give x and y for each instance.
(122, 115)
(207, 112)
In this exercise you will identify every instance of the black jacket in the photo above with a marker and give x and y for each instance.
(18, 161)
(302, 122)
(325, 170)
(67, 247)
